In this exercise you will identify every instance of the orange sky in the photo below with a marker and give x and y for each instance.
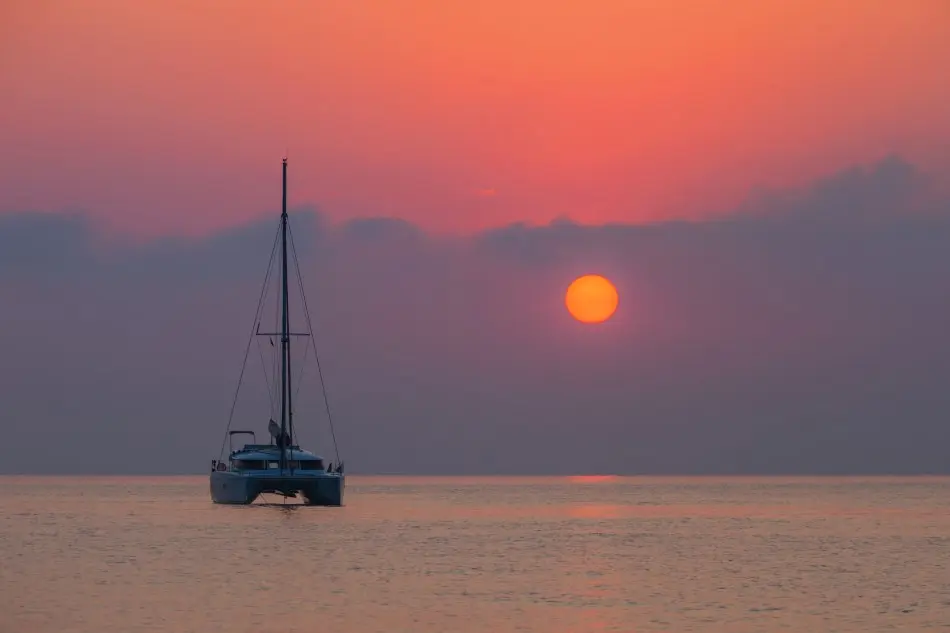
(171, 116)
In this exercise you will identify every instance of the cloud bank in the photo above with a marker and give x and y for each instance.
(806, 333)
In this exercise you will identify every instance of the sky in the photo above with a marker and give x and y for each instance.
(764, 182)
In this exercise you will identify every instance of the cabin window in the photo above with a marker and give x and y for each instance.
(249, 464)
(262, 464)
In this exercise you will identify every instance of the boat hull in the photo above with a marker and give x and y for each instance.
(325, 489)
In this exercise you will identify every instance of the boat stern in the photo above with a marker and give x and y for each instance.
(231, 488)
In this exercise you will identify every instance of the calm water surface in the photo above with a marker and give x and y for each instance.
(558, 555)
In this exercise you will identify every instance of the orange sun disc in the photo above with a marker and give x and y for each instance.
(591, 299)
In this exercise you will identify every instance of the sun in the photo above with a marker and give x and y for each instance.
(591, 299)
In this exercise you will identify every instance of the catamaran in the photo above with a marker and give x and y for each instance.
(280, 466)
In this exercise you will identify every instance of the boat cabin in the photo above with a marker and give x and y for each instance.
(266, 457)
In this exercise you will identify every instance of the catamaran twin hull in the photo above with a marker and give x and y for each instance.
(323, 489)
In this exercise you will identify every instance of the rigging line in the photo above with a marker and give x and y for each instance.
(270, 396)
(303, 364)
(313, 341)
(250, 338)
(306, 349)
(276, 355)
(271, 388)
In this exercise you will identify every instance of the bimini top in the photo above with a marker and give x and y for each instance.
(270, 452)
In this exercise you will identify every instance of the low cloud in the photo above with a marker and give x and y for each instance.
(806, 333)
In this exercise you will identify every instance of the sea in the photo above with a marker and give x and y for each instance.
(490, 554)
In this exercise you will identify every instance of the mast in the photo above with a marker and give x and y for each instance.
(286, 415)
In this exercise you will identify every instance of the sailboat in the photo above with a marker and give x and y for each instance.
(280, 466)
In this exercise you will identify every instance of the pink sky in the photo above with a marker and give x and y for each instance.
(171, 117)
